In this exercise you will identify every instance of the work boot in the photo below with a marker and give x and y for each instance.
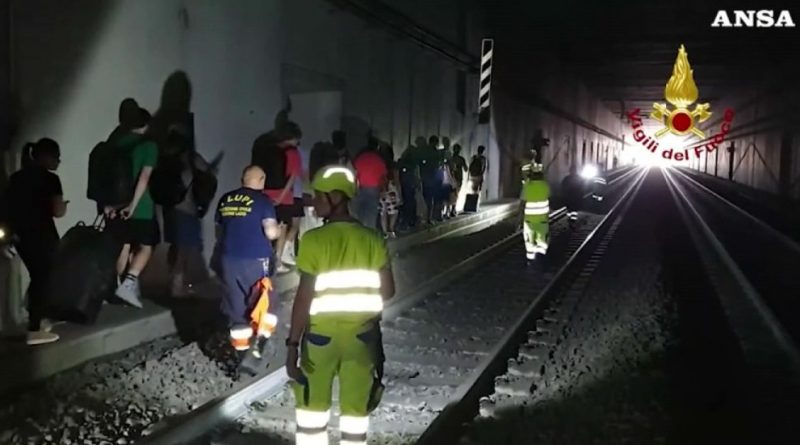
(257, 358)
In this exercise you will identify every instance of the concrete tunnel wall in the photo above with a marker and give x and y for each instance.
(765, 119)
(516, 122)
(71, 66)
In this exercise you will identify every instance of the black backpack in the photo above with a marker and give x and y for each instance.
(111, 180)
(476, 166)
(272, 159)
(204, 188)
(166, 182)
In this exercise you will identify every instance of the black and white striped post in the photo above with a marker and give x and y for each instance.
(484, 93)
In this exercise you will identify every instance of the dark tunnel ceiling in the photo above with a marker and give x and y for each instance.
(624, 50)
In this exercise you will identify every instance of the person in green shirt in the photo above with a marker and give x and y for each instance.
(134, 225)
(345, 278)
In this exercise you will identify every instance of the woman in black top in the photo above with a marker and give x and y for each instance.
(34, 198)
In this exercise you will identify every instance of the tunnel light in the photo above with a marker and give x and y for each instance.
(589, 171)
(2, 234)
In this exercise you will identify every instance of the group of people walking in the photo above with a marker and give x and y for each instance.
(318, 210)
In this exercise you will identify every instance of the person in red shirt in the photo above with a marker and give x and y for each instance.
(371, 178)
(288, 210)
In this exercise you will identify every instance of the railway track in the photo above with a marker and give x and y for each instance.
(756, 284)
(769, 381)
(433, 341)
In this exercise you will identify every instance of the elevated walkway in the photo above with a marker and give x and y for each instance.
(120, 328)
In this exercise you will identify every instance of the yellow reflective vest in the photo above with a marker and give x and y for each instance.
(346, 259)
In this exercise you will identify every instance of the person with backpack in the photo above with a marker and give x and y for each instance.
(182, 219)
(457, 166)
(32, 199)
(131, 213)
(430, 172)
(276, 153)
(477, 169)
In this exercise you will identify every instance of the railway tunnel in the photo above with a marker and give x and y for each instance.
(666, 312)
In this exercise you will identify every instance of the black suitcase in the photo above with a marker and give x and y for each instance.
(471, 203)
(83, 274)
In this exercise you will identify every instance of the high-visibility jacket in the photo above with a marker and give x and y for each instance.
(536, 194)
(343, 337)
(346, 259)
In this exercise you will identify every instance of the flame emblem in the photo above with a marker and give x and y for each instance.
(681, 92)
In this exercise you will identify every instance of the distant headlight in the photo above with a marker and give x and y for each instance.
(589, 171)
(2, 234)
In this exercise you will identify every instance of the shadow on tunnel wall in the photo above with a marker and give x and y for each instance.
(55, 76)
(358, 133)
(26, 20)
(196, 319)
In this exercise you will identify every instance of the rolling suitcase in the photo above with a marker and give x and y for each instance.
(83, 273)
(471, 203)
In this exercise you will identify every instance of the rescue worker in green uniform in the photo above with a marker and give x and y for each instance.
(345, 278)
(536, 224)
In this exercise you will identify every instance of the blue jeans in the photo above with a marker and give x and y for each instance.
(365, 206)
(241, 277)
(183, 229)
(431, 193)
(409, 209)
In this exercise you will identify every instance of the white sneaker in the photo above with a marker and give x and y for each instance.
(288, 254)
(40, 338)
(130, 293)
(282, 269)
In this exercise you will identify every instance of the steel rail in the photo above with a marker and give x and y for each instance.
(193, 425)
(465, 401)
(733, 283)
(785, 240)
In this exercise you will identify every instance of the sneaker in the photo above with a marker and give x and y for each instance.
(282, 269)
(288, 255)
(392, 235)
(129, 292)
(40, 338)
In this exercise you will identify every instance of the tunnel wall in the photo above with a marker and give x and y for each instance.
(72, 65)
(766, 121)
(516, 122)
(243, 63)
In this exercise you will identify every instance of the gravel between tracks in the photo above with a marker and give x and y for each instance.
(644, 357)
(117, 400)
(420, 343)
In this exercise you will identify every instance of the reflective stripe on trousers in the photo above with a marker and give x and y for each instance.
(240, 337)
(312, 427)
(354, 430)
(535, 238)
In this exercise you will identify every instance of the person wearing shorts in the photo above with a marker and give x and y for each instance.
(135, 225)
(288, 209)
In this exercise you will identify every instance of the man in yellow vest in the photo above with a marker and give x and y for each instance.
(536, 226)
(345, 277)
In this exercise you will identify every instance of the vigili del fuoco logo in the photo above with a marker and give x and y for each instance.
(680, 120)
